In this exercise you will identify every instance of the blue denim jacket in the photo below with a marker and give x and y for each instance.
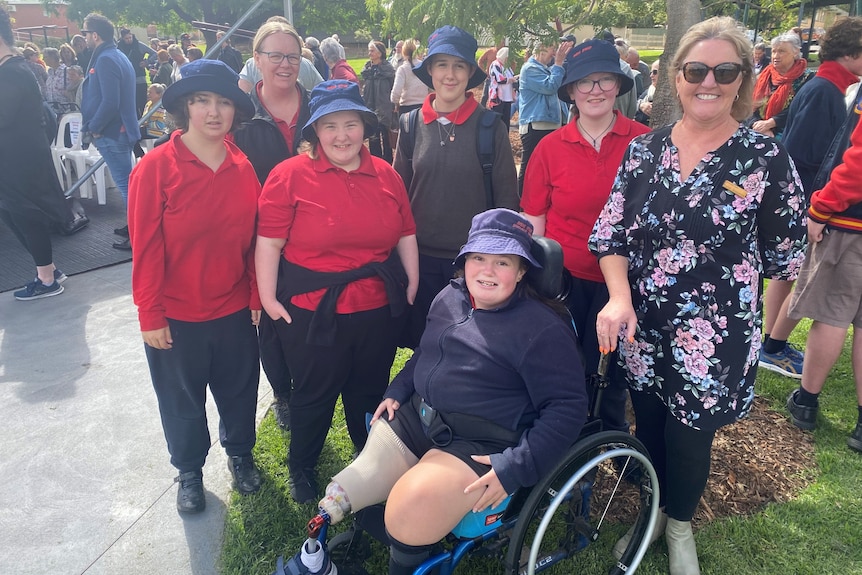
(537, 100)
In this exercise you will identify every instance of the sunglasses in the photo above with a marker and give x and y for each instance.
(725, 73)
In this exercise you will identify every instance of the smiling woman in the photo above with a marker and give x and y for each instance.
(704, 208)
(337, 265)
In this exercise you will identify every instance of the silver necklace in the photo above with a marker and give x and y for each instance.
(595, 140)
(441, 129)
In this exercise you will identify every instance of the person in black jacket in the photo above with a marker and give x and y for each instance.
(139, 55)
(378, 76)
(271, 136)
(229, 55)
(313, 44)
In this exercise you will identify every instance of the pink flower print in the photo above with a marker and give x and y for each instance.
(667, 261)
(686, 340)
(659, 277)
(744, 272)
(721, 322)
(666, 160)
(696, 365)
(701, 328)
(604, 231)
(716, 217)
(678, 399)
(707, 348)
(709, 402)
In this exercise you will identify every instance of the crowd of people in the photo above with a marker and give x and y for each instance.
(299, 216)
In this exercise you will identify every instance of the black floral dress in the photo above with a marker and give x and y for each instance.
(697, 251)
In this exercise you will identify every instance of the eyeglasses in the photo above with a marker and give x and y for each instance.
(725, 73)
(653, 72)
(606, 84)
(278, 57)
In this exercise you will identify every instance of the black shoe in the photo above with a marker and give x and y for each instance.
(802, 416)
(190, 495)
(246, 477)
(123, 245)
(855, 440)
(281, 410)
(123, 232)
(75, 225)
(303, 486)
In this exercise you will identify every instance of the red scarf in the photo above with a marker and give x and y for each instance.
(458, 117)
(777, 100)
(837, 74)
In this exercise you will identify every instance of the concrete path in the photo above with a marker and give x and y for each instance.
(85, 482)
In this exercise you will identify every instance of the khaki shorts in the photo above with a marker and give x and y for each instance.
(829, 287)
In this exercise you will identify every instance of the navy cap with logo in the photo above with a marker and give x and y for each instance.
(336, 96)
(588, 58)
(452, 41)
(499, 231)
(207, 76)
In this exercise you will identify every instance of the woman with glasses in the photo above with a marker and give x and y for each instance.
(271, 136)
(699, 213)
(567, 183)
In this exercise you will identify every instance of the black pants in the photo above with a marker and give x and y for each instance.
(141, 96)
(272, 359)
(379, 144)
(529, 141)
(434, 275)
(221, 353)
(586, 299)
(680, 454)
(32, 228)
(355, 367)
(505, 111)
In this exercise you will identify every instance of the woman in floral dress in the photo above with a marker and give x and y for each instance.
(698, 213)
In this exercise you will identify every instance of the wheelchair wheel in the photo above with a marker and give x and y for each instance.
(605, 485)
(349, 551)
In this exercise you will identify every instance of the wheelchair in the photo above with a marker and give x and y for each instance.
(602, 488)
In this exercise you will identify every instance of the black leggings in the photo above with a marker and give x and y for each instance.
(32, 229)
(680, 454)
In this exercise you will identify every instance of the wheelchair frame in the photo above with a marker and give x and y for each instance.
(599, 464)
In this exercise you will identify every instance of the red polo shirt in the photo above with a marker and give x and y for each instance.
(336, 221)
(192, 232)
(568, 182)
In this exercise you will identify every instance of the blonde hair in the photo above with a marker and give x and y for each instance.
(720, 28)
(273, 26)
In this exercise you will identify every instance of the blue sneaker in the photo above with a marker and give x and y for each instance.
(59, 276)
(787, 362)
(37, 290)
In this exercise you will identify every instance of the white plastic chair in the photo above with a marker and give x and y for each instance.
(58, 148)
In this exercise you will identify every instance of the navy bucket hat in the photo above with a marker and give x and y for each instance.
(336, 96)
(207, 76)
(590, 57)
(499, 231)
(452, 41)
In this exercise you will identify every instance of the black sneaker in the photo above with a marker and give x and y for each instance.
(246, 477)
(122, 232)
(37, 290)
(190, 494)
(281, 410)
(59, 276)
(122, 245)
(855, 440)
(303, 486)
(802, 416)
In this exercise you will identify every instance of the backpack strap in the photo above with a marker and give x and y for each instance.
(485, 149)
(407, 133)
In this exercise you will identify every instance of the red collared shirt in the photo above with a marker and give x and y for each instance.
(335, 220)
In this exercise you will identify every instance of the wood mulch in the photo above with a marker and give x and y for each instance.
(758, 460)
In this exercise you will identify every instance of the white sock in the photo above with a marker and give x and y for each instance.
(335, 503)
(312, 555)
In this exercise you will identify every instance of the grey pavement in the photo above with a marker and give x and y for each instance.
(85, 482)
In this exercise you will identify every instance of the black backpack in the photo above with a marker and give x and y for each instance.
(484, 145)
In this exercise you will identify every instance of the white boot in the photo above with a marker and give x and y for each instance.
(681, 548)
(623, 543)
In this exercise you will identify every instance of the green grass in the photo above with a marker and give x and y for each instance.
(817, 533)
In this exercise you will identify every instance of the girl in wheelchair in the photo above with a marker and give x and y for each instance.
(491, 399)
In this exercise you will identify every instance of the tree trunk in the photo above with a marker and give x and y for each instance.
(681, 15)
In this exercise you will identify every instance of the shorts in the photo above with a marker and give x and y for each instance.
(829, 287)
(409, 428)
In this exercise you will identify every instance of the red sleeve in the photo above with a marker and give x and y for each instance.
(146, 205)
(254, 299)
(276, 207)
(536, 197)
(844, 188)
